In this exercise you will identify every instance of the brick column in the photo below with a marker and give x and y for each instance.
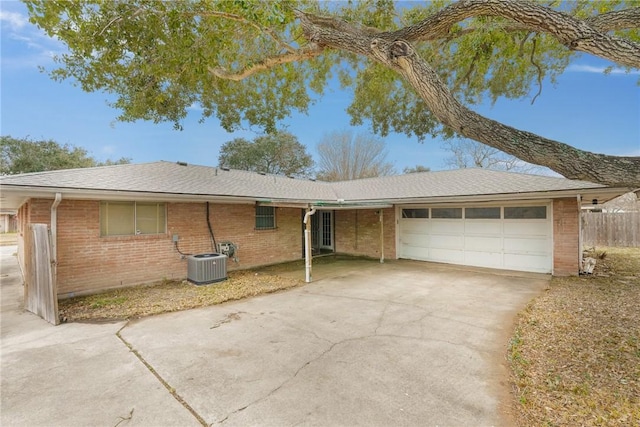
(566, 238)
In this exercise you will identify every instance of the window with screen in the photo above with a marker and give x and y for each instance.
(132, 218)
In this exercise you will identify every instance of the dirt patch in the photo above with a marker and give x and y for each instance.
(168, 296)
(575, 354)
(171, 295)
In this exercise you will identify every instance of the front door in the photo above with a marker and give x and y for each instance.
(322, 232)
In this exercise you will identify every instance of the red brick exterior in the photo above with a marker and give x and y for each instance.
(566, 250)
(358, 232)
(88, 262)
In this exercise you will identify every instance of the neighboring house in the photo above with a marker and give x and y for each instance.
(128, 224)
(8, 223)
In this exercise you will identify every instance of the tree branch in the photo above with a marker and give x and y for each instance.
(562, 158)
(237, 18)
(585, 36)
(402, 57)
(532, 59)
(615, 20)
(267, 63)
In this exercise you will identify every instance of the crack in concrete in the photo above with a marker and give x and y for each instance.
(321, 355)
(387, 302)
(381, 319)
(155, 373)
(281, 385)
(375, 334)
(297, 328)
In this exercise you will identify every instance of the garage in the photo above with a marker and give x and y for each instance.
(510, 237)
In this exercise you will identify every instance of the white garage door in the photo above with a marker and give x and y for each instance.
(506, 237)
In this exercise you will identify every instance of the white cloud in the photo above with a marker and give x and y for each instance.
(14, 20)
(583, 68)
(26, 45)
(108, 149)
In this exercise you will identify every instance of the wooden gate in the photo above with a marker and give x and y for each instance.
(40, 293)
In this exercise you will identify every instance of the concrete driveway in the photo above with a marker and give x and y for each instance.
(403, 343)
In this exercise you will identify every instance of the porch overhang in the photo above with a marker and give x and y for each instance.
(323, 205)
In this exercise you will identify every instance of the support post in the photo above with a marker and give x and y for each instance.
(381, 236)
(307, 243)
(54, 233)
(579, 199)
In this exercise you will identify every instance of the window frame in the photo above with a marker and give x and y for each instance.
(476, 209)
(456, 211)
(265, 216)
(161, 220)
(525, 210)
(413, 212)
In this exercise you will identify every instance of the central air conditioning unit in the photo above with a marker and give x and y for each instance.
(203, 269)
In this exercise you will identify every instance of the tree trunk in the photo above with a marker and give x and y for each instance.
(400, 56)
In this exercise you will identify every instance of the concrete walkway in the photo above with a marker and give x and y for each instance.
(404, 343)
(73, 374)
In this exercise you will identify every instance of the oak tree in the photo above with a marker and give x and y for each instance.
(413, 68)
(279, 153)
(24, 155)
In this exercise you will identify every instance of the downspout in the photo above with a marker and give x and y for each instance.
(381, 236)
(307, 243)
(214, 244)
(579, 197)
(54, 232)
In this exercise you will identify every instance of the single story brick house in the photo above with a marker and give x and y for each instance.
(122, 225)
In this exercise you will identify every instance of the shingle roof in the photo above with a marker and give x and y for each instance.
(461, 182)
(174, 178)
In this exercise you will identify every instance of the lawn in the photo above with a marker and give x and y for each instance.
(174, 295)
(170, 295)
(575, 353)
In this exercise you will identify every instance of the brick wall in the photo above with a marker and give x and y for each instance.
(358, 232)
(566, 251)
(88, 262)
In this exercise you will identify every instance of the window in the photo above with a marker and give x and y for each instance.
(415, 213)
(265, 217)
(482, 213)
(130, 218)
(446, 213)
(525, 212)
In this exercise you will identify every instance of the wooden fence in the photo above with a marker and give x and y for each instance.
(620, 229)
(40, 294)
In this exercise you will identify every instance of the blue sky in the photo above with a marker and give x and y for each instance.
(585, 109)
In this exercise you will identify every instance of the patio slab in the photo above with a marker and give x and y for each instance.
(400, 343)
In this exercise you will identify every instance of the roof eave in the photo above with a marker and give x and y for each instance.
(604, 193)
(12, 192)
(14, 195)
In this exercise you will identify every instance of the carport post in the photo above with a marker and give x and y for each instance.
(307, 243)
(381, 236)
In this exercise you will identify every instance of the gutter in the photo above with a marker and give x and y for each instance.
(492, 198)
